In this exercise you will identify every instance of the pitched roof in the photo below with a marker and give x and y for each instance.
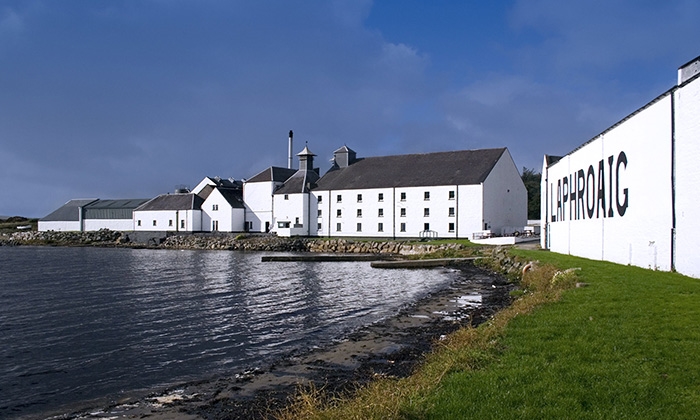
(69, 212)
(464, 167)
(273, 173)
(173, 202)
(233, 197)
(300, 182)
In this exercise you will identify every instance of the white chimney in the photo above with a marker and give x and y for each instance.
(289, 153)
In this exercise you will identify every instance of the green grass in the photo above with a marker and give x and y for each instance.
(626, 346)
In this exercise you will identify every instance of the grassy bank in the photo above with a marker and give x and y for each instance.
(625, 346)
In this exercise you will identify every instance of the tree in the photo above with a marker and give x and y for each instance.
(532, 180)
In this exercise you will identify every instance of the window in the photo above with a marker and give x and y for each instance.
(380, 197)
(359, 212)
(451, 227)
(284, 225)
(403, 227)
(426, 226)
(426, 196)
(154, 223)
(214, 225)
(320, 198)
(138, 223)
(296, 221)
(319, 227)
(359, 227)
(403, 196)
(339, 199)
(403, 212)
(380, 213)
(451, 195)
(337, 227)
(320, 212)
(215, 207)
(170, 222)
(286, 196)
(380, 227)
(182, 224)
(451, 212)
(359, 198)
(426, 212)
(339, 213)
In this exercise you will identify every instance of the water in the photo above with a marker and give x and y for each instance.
(78, 324)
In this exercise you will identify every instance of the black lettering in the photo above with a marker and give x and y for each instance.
(610, 210)
(572, 196)
(565, 196)
(621, 208)
(581, 187)
(601, 189)
(590, 189)
(551, 188)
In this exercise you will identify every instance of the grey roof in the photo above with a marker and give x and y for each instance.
(233, 197)
(300, 182)
(273, 173)
(552, 159)
(464, 167)
(173, 202)
(113, 209)
(226, 183)
(69, 212)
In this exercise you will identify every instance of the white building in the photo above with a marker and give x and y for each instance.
(446, 195)
(627, 195)
(91, 215)
(179, 212)
(258, 196)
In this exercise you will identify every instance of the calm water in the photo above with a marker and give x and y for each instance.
(82, 323)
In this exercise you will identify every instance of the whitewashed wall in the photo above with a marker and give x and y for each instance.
(230, 219)
(687, 147)
(292, 209)
(192, 220)
(257, 197)
(111, 224)
(504, 197)
(621, 188)
(59, 226)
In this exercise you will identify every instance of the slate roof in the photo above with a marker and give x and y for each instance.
(173, 202)
(273, 173)
(113, 209)
(464, 167)
(233, 197)
(551, 160)
(68, 212)
(299, 183)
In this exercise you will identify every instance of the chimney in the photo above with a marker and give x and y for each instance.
(289, 152)
(688, 70)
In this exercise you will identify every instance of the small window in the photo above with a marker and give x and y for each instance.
(320, 212)
(380, 227)
(319, 227)
(359, 198)
(338, 227)
(320, 198)
(138, 223)
(403, 196)
(426, 226)
(380, 197)
(403, 227)
(426, 196)
(182, 224)
(170, 222)
(359, 212)
(426, 212)
(215, 207)
(451, 227)
(451, 195)
(284, 225)
(403, 212)
(339, 199)
(359, 227)
(380, 213)
(451, 212)
(154, 223)
(214, 225)
(339, 213)
(286, 196)
(296, 221)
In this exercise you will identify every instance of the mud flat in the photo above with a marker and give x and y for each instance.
(393, 348)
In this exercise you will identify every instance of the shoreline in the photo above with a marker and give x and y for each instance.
(393, 347)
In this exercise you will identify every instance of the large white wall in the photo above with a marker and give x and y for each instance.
(192, 220)
(504, 198)
(217, 208)
(257, 197)
(59, 226)
(687, 158)
(621, 187)
(111, 224)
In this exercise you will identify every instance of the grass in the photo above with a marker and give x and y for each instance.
(625, 346)
(10, 225)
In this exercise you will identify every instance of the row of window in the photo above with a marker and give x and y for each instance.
(380, 212)
(380, 197)
(380, 227)
(170, 223)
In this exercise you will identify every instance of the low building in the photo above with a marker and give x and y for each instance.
(627, 195)
(91, 215)
(178, 212)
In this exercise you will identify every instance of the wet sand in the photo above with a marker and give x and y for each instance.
(393, 347)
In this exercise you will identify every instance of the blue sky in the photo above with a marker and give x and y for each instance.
(127, 99)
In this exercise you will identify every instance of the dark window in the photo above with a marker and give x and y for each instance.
(403, 227)
(182, 224)
(426, 226)
(403, 196)
(319, 227)
(170, 222)
(380, 227)
(451, 212)
(381, 213)
(359, 212)
(381, 196)
(359, 198)
(426, 195)
(451, 195)
(426, 212)
(154, 223)
(320, 198)
(339, 213)
(286, 197)
(337, 227)
(319, 212)
(451, 227)
(339, 199)
(138, 223)
(403, 212)
(359, 227)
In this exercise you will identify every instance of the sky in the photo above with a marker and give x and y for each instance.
(131, 98)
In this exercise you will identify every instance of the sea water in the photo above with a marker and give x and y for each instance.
(78, 324)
